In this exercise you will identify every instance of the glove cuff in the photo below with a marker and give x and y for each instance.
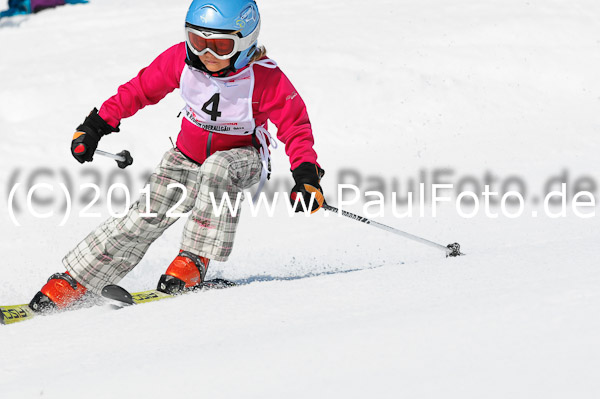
(307, 172)
(99, 125)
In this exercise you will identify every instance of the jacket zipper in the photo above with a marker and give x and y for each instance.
(208, 143)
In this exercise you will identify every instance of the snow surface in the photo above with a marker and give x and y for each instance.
(333, 308)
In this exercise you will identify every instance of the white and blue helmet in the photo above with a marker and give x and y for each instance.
(218, 19)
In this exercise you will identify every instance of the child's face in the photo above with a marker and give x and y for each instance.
(212, 63)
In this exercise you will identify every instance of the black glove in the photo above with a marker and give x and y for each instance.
(88, 134)
(307, 177)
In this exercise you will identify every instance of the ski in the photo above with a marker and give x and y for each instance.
(16, 313)
(121, 297)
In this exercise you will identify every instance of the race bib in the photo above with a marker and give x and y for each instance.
(220, 105)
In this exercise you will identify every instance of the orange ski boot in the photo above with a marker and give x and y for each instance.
(60, 292)
(184, 273)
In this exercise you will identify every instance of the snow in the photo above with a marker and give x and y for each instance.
(332, 308)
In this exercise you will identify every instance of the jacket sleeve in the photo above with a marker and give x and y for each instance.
(286, 109)
(150, 86)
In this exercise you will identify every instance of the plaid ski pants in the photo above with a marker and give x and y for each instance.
(115, 247)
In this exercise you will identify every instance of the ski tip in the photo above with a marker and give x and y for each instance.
(116, 293)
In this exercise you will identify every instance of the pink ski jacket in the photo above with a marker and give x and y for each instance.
(274, 97)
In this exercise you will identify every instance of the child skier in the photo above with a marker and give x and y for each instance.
(230, 89)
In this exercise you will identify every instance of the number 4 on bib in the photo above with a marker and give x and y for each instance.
(214, 111)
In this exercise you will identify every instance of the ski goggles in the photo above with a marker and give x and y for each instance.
(222, 45)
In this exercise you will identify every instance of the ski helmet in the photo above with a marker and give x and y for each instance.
(219, 19)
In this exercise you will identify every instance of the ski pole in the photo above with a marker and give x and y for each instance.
(450, 249)
(123, 158)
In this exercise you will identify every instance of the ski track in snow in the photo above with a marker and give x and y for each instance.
(328, 307)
